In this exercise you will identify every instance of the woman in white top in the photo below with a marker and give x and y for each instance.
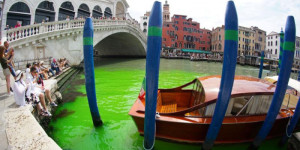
(19, 88)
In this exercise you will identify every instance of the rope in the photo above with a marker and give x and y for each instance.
(288, 124)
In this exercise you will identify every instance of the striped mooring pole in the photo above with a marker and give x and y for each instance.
(261, 67)
(282, 83)
(88, 34)
(281, 49)
(228, 71)
(154, 41)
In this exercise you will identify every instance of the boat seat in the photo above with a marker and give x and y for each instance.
(169, 108)
(238, 104)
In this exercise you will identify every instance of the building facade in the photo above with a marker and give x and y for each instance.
(297, 54)
(273, 45)
(183, 33)
(35, 11)
(259, 40)
(246, 41)
(251, 41)
(144, 21)
(217, 39)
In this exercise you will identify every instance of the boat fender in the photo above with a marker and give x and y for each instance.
(157, 115)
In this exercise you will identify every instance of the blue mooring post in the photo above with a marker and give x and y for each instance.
(283, 79)
(228, 71)
(291, 125)
(281, 50)
(261, 64)
(88, 34)
(152, 73)
(299, 75)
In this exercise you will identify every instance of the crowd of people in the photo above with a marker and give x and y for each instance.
(32, 88)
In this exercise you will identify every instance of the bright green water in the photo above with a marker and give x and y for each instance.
(118, 82)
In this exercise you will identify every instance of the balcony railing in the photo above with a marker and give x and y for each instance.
(42, 28)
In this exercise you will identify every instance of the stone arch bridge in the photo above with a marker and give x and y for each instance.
(60, 39)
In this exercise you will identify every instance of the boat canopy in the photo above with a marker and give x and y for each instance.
(292, 83)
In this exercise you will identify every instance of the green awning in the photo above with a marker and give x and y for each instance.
(195, 51)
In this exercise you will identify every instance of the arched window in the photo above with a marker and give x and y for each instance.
(176, 37)
(145, 30)
(180, 45)
(84, 11)
(66, 10)
(176, 45)
(107, 12)
(220, 47)
(45, 12)
(18, 12)
(97, 12)
(145, 23)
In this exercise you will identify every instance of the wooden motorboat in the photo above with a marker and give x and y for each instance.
(185, 113)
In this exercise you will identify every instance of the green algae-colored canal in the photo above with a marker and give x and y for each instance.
(118, 82)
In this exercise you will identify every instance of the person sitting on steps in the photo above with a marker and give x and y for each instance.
(39, 90)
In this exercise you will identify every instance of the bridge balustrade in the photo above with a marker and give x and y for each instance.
(43, 28)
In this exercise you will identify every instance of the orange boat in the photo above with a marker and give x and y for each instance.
(185, 113)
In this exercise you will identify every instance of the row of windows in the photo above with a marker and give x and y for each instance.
(271, 43)
(271, 50)
(248, 41)
(189, 39)
(271, 37)
(45, 12)
(183, 17)
(246, 47)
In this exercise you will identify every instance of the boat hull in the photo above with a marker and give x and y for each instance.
(196, 132)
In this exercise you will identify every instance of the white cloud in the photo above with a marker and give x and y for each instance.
(269, 15)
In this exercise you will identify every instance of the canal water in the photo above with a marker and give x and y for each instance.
(118, 82)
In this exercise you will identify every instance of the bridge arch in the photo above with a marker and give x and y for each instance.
(66, 9)
(19, 11)
(83, 11)
(45, 11)
(119, 43)
(97, 12)
(107, 12)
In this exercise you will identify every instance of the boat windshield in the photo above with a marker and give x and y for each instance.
(239, 106)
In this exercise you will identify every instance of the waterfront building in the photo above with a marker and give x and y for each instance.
(183, 33)
(144, 20)
(297, 54)
(273, 45)
(273, 48)
(35, 11)
(251, 40)
(259, 41)
(217, 39)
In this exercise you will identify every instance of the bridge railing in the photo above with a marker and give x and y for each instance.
(42, 28)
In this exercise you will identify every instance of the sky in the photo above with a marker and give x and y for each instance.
(268, 15)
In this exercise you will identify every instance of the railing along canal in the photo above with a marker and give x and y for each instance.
(42, 28)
